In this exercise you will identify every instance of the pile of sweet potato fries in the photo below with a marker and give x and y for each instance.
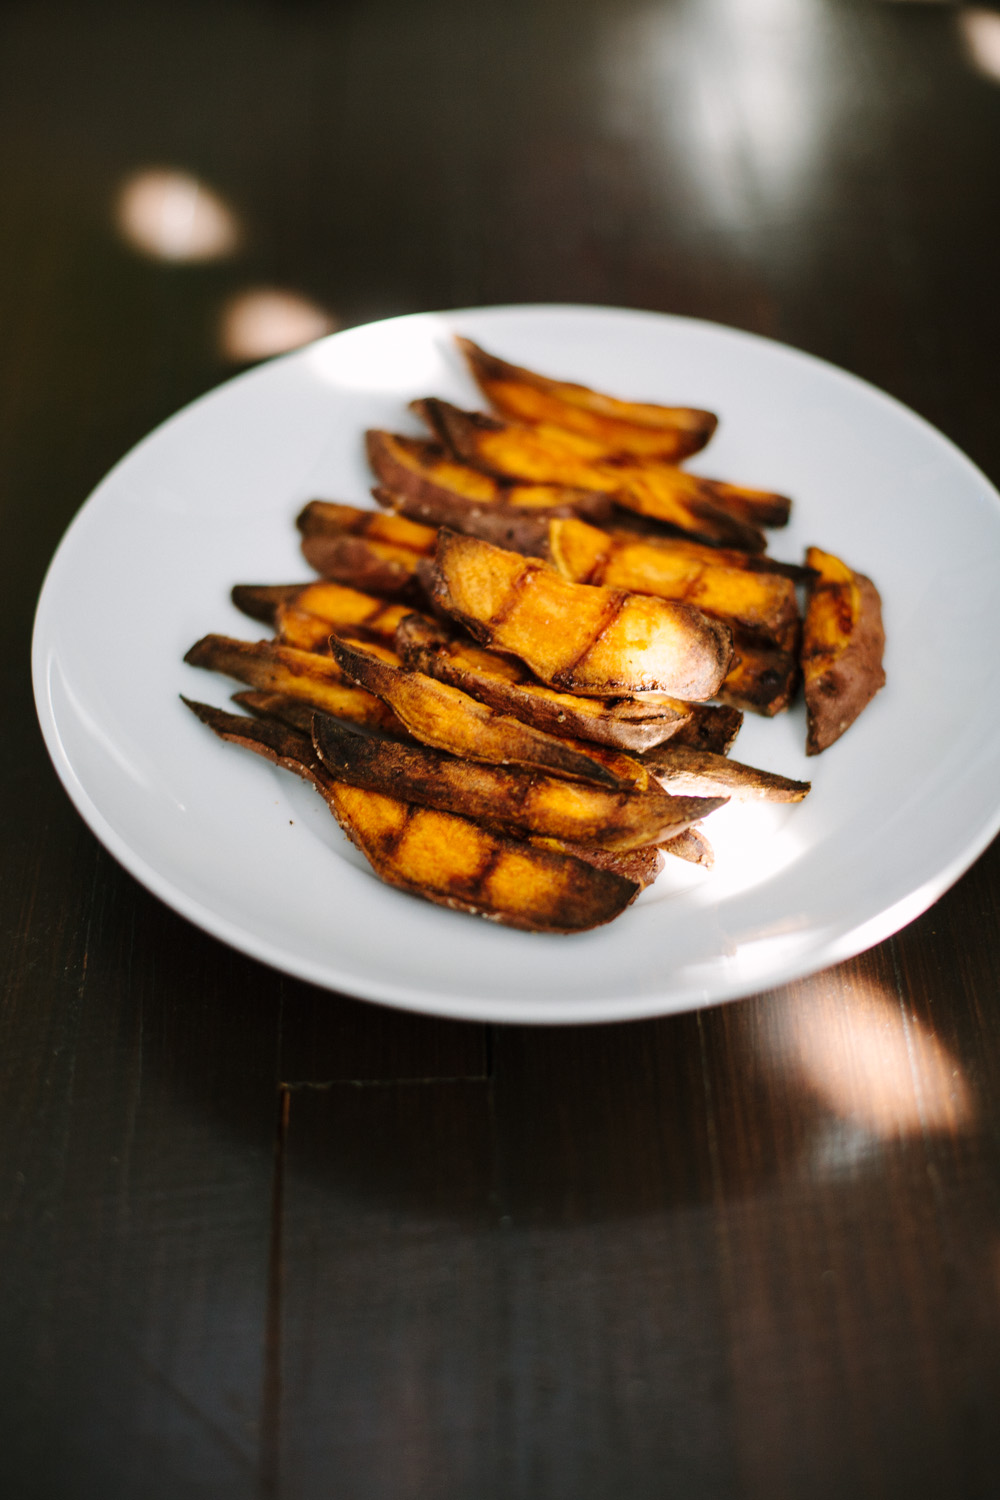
(517, 683)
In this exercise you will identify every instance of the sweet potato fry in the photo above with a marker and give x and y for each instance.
(511, 796)
(712, 726)
(696, 773)
(333, 604)
(842, 645)
(503, 683)
(364, 548)
(763, 676)
(425, 474)
(550, 455)
(314, 679)
(693, 846)
(445, 718)
(634, 427)
(517, 529)
(579, 638)
(439, 856)
(761, 603)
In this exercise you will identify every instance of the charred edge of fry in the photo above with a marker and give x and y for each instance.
(639, 865)
(712, 726)
(260, 600)
(693, 846)
(758, 507)
(449, 719)
(277, 741)
(691, 773)
(763, 679)
(503, 525)
(359, 563)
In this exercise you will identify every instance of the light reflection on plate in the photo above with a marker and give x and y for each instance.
(900, 806)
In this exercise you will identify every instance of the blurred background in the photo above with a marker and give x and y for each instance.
(754, 1251)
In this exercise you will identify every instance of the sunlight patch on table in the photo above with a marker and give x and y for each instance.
(172, 216)
(264, 321)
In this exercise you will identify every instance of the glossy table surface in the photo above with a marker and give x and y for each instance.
(260, 1239)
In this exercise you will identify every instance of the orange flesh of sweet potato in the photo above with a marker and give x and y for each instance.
(626, 426)
(439, 856)
(536, 803)
(445, 718)
(576, 637)
(507, 686)
(759, 602)
(843, 641)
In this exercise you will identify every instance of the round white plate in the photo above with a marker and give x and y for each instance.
(900, 807)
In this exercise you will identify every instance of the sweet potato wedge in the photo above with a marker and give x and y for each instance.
(579, 638)
(425, 474)
(336, 605)
(633, 427)
(314, 679)
(695, 773)
(507, 686)
(439, 856)
(550, 455)
(363, 548)
(509, 526)
(843, 641)
(761, 603)
(445, 718)
(692, 846)
(712, 726)
(510, 796)
(762, 678)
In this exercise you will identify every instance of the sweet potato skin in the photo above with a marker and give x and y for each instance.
(693, 773)
(579, 638)
(439, 856)
(843, 642)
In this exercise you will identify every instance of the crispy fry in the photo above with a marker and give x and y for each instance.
(712, 726)
(762, 678)
(842, 645)
(445, 718)
(550, 455)
(693, 846)
(364, 548)
(762, 603)
(634, 427)
(511, 796)
(336, 605)
(444, 858)
(503, 683)
(420, 473)
(695, 773)
(576, 637)
(316, 680)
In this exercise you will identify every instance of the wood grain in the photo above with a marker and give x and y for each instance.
(261, 1240)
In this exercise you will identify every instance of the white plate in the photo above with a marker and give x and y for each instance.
(899, 808)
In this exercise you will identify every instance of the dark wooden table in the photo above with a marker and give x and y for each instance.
(256, 1238)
